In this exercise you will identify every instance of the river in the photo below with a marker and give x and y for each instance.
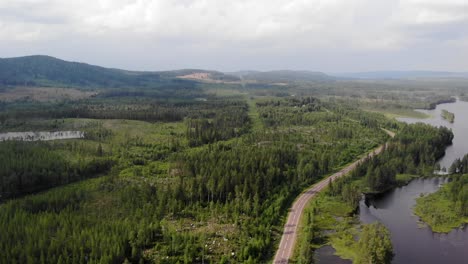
(460, 128)
(35, 136)
(413, 241)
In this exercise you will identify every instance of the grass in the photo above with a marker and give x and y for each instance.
(334, 225)
(403, 179)
(254, 116)
(394, 113)
(439, 212)
(345, 244)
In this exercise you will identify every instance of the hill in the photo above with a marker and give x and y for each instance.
(41, 70)
(283, 76)
(402, 74)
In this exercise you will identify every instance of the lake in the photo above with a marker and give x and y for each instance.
(460, 128)
(35, 136)
(413, 241)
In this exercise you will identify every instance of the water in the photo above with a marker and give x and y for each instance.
(326, 254)
(413, 242)
(35, 136)
(460, 128)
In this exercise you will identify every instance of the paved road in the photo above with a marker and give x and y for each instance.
(288, 239)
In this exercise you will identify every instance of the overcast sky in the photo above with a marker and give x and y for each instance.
(228, 35)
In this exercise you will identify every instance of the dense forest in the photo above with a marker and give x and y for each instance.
(414, 150)
(213, 187)
(173, 170)
(228, 122)
(28, 167)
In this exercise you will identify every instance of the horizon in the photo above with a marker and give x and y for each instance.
(336, 74)
(325, 36)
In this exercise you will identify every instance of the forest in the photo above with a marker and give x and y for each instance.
(212, 186)
(173, 170)
(46, 71)
(414, 150)
(30, 167)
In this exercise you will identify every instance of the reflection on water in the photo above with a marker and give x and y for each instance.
(35, 136)
(326, 254)
(412, 241)
(460, 128)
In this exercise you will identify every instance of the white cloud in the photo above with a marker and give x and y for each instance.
(432, 11)
(224, 25)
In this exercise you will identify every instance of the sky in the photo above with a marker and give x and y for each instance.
(231, 35)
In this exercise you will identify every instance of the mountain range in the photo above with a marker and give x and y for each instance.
(39, 70)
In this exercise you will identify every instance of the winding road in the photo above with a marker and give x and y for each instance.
(288, 240)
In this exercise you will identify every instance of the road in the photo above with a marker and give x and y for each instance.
(286, 247)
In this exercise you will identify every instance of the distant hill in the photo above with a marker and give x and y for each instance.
(41, 70)
(283, 76)
(402, 74)
(203, 75)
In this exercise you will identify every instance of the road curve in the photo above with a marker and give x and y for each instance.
(286, 246)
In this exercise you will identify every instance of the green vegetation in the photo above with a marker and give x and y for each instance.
(447, 208)
(188, 180)
(459, 166)
(329, 220)
(448, 116)
(51, 72)
(28, 167)
(374, 245)
(326, 219)
(283, 76)
(404, 179)
(398, 112)
(174, 170)
(412, 152)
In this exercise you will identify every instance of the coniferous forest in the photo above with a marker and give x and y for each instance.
(213, 186)
(192, 172)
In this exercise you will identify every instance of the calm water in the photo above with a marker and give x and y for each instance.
(35, 136)
(459, 128)
(413, 242)
(326, 254)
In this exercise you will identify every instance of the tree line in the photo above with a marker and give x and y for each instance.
(29, 167)
(414, 150)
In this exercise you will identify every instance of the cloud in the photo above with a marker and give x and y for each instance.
(246, 27)
(433, 11)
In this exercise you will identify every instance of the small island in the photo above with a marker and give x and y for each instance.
(447, 208)
(449, 116)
